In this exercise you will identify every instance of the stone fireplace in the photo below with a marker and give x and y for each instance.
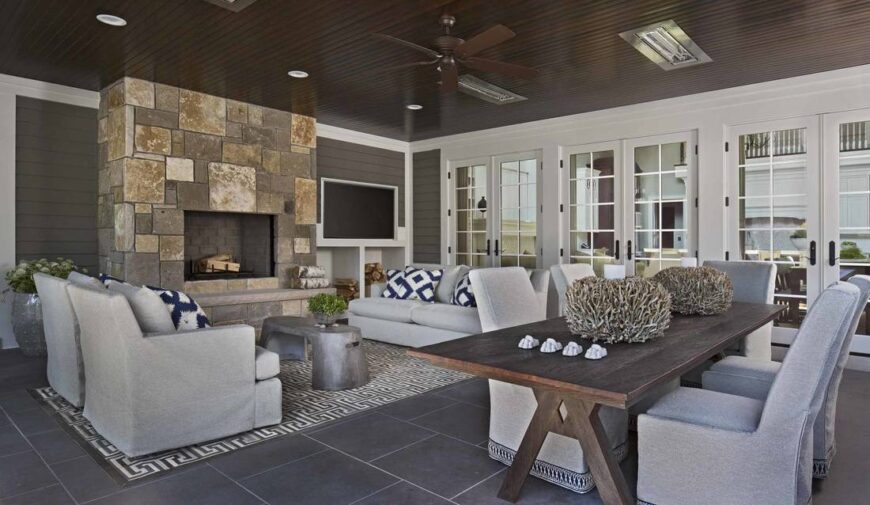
(170, 158)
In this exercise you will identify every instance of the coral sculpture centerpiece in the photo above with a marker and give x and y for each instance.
(700, 290)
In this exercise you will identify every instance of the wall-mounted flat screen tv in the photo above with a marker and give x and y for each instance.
(358, 210)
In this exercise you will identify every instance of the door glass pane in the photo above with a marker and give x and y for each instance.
(592, 210)
(519, 212)
(772, 208)
(854, 171)
(471, 215)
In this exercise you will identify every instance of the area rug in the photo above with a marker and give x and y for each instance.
(394, 376)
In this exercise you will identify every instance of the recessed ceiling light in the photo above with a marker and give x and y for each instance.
(413, 106)
(667, 45)
(111, 20)
(298, 74)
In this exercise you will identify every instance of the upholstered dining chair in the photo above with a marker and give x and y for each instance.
(505, 298)
(754, 282)
(694, 444)
(564, 275)
(753, 379)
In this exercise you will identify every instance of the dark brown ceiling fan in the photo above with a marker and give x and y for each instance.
(451, 51)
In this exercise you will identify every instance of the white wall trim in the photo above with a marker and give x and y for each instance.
(366, 139)
(47, 91)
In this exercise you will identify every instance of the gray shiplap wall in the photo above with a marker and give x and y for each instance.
(427, 206)
(56, 182)
(354, 162)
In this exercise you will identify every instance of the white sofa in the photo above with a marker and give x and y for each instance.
(414, 323)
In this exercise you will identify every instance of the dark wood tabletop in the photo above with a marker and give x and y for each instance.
(618, 380)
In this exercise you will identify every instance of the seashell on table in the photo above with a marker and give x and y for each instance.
(528, 342)
(550, 345)
(595, 351)
(572, 349)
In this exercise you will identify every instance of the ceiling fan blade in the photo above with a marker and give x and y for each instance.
(499, 67)
(491, 37)
(449, 78)
(405, 43)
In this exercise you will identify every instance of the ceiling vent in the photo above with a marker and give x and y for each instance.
(487, 91)
(232, 5)
(667, 45)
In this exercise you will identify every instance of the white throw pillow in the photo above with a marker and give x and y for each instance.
(149, 309)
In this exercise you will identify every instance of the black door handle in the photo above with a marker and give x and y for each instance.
(832, 253)
(628, 251)
(496, 247)
(812, 252)
(487, 247)
(616, 251)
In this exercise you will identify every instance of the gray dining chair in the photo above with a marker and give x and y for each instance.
(564, 275)
(754, 282)
(695, 444)
(505, 298)
(753, 379)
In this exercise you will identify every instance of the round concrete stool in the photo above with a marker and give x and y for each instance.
(338, 361)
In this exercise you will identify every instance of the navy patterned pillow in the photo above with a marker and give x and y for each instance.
(463, 294)
(185, 312)
(412, 284)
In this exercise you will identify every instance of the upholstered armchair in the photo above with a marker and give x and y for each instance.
(564, 275)
(163, 391)
(505, 298)
(753, 379)
(700, 446)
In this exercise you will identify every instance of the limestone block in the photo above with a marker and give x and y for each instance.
(143, 208)
(147, 243)
(149, 156)
(270, 203)
(232, 188)
(273, 118)
(177, 143)
(144, 223)
(262, 283)
(202, 147)
(200, 171)
(229, 313)
(237, 111)
(306, 201)
(155, 117)
(115, 96)
(153, 139)
(237, 284)
(125, 227)
(205, 287)
(255, 115)
(265, 137)
(302, 245)
(171, 248)
(282, 184)
(242, 154)
(141, 268)
(283, 249)
(295, 165)
(166, 97)
(105, 212)
(300, 149)
(116, 173)
(144, 180)
(172, 274)
(304, 131)
(285, 225)
(271, 161)
(119, 132)
(102, 124)
(168, 221)
(264, 182)
(202, 113)
(292, 308)
(138, 92)
(192, 196)
(179, 169)
(234, 130)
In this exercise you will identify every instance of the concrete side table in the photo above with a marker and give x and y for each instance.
(287, 336)
(339, 360)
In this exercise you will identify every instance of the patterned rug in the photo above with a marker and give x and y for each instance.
(394, 376)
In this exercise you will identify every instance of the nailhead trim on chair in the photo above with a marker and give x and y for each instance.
(568, 479)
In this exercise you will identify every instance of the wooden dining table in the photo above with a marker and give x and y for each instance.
(627, 374)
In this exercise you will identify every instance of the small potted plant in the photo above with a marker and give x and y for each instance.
(326, 308)
(26, 307)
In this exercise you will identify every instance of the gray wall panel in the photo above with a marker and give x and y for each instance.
(427, 206)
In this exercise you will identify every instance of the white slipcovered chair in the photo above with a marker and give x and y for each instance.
(166, 390)
(564, 275)
(753, 379)
(505, 298)
(700, 446)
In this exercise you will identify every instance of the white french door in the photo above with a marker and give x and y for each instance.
(773, 209)
(845, 246)
(659, 195)
(496, 211)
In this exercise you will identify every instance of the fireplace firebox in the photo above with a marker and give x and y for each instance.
(246, 238)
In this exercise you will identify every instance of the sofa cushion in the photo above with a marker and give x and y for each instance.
(412, 284)
(385, 308)
(149, 309)
(447, 317)
(266, 364)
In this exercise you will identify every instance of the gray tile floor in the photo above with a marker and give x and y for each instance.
(426, 450)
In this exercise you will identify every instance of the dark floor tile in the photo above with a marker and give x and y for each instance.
(200, 486)
(325, 478)
(474, 391)
(416, 406)
(19, 372)
(51, 495)
(265, 455)
(463, 421)
(35, 420)
(55, 446)
(23, 472)
(11, 440)
(18, 400)
(441, 465)
(371, 436)
(403, 494)
(85, 479)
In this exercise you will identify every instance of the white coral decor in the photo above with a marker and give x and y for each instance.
(572, 349)
(596, 352)
(551, 345)
(528, 342)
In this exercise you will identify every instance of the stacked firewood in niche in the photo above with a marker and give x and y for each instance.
(308, 277)
(374, 274)
(346, 288)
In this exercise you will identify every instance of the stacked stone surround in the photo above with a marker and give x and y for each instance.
(164, 150)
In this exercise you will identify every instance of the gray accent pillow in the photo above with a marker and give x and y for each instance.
(80, 279)
(149, 309)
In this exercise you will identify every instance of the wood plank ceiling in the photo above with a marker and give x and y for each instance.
(583, 63)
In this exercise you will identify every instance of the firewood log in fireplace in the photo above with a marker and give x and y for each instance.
(219, 263)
